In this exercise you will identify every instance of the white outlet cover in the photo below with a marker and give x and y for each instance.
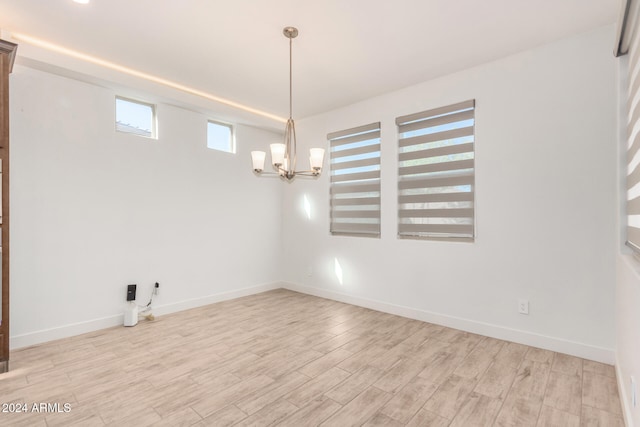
(523, 306)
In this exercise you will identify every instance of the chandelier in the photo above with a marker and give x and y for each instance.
(283, 156)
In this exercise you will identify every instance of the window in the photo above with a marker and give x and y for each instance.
(436, 173)
(355, 181)
(135, 117)
(220, 137)
(631, 38)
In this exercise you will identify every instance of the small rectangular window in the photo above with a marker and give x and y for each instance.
(138, 118)
(220, 137)
(355, 181)
(436, 173)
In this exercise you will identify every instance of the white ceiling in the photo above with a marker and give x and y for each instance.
(347, 50)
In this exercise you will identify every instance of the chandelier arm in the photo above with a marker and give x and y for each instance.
(290, 149)
(290, 77)
(307, 173)
(294, 145)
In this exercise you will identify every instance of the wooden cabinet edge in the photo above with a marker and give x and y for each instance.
(8, 54)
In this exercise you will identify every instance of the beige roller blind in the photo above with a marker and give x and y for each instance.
(436, 175)
(355, 181)
(632, 34)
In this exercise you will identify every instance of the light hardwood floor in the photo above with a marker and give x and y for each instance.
(284, 358)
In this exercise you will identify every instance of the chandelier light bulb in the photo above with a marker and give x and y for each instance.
(316, 158)
(277, 154)
(257, 158)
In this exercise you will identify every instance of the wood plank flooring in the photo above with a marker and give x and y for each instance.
(284, 358)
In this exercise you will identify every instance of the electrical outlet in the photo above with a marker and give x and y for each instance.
(309, 271)
(523, 306)
(156, 288)
(634, 393)
(131, 292)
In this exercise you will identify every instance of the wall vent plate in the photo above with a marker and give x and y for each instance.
(131, 292)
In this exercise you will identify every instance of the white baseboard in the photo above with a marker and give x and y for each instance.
(586, 351)
(45, 335)
(624, 397)
(211, 299)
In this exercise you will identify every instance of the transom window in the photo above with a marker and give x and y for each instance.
(220, 137)
(136, 117)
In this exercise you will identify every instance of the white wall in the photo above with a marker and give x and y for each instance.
(546, 205)
(94, 210)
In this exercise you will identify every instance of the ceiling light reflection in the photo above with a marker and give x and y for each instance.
(140, 74)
